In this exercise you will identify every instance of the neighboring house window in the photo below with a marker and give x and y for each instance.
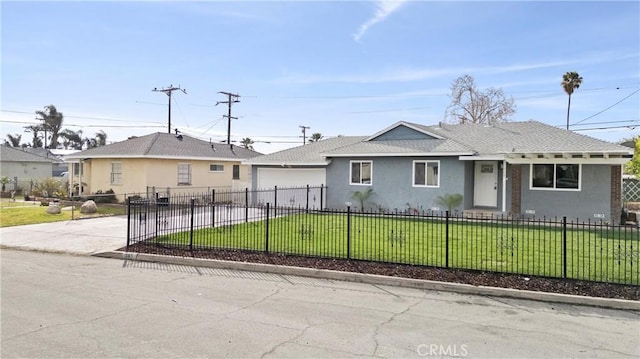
(556, 176)
(116, 172)
(216, 168)
(184, 174)
(236, 172)
(361, 172)
(77, 169)
(426, 173)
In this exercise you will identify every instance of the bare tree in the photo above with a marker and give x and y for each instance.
(470, 105)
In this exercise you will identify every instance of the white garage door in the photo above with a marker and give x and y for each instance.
(287, 178)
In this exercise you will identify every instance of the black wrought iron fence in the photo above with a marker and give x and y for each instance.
(557, 247)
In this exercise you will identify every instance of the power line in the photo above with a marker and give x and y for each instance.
(82, 117)
(596, 114)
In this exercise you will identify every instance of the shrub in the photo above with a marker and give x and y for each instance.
(49, 187)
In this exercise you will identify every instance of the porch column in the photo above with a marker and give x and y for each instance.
(516, 191)
(616, 193)
(504, 186)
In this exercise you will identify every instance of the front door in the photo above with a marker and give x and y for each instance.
(485, 189)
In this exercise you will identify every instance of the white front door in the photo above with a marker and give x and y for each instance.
(485, 189)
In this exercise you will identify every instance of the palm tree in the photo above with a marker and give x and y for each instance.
(35, 129)
(13, 140)
(362, 197)
(51, 122)
(450, 201)
(101, 138)
(247, 143)
(570, 81)
(315, 137)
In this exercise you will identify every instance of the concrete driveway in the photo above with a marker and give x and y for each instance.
(83, 236)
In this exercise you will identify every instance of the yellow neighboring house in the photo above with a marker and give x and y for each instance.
(179, 163)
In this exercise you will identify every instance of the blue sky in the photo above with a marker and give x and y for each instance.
(340, 68)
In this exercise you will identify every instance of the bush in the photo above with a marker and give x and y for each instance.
(104, 197)
(49, 187)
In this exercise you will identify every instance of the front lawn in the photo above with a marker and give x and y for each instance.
(23, 213)
(592, 253)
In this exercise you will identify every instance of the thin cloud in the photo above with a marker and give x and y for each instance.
(384, 9)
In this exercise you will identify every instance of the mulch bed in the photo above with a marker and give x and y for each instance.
(491, 279)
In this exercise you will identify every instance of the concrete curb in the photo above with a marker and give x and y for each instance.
(380, 280)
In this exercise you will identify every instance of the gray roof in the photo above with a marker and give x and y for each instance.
(311, 153)
(166, 145)
(522, 137)
(391, 147)
(17, 154)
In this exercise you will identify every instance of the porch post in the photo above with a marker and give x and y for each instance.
(504, 186)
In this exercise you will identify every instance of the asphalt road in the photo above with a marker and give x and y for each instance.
(57, 305)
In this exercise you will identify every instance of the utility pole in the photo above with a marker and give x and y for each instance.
(304, 134)
(232, 98)
(168, 92)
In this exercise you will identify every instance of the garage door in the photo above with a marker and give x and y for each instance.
(288, 178)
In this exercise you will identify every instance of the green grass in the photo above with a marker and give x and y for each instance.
(25, 213)
(599, 254)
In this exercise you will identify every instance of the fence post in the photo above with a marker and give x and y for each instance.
(246, 205)
(564, 247)
(275, 197)
(213, 208)
(321, 196)
(193, 205)
(307, 209)
(348, 232)
(266, 231)
(446, 240)
(128, 222)
(157, 217)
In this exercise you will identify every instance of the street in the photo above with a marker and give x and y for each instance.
(58, 305)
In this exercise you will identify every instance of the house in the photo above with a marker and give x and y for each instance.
(59, 167)
(180, 163)
(519, 168)
(24, 167)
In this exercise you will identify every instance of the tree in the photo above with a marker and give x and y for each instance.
(35, 129)
(633, 167)
(247, 143)
(51, 123)
(315, 137)
(101, 138)
(72, 139)
(13, 140)
(570, 81)
(4, 180)
(468, 104)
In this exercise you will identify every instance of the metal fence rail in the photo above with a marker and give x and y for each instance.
(537, 247)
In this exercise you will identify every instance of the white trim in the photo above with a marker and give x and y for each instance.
(531, 188)
(590, 161)
(286, 164)
(406, 124)
(402, 154)
(216, 164)
(370, 174)
(482, 158)
(178, 174)
(159, 157)
(111, 173)
(426, 165)
(504, 185)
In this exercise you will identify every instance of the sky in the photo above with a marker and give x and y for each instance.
(336, 67)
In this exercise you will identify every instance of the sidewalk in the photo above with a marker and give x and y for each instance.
(84, 236)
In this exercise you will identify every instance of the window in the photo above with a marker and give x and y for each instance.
(426, 174)
(77, 169)
(361, 172)
(555, 176)
(214, 167)
(184, 174)
(116, 172)
(236, 172)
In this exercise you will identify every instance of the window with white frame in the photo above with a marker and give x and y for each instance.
(184, 174)
(426, 173)
(361, 172)
(556, 176)
(116, 173)
(216, 167)
(77, 169)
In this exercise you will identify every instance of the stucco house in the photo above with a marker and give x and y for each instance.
(23, 167)
(518, 168)
(162, 160)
